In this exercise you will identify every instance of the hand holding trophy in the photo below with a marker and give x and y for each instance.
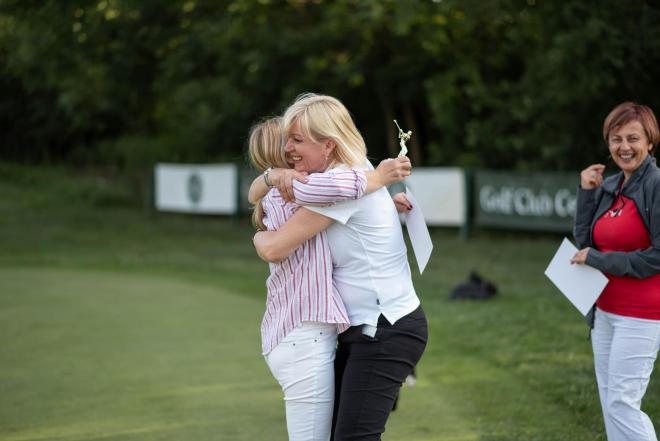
(403, 137)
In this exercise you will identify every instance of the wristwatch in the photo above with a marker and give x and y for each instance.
(266, 179)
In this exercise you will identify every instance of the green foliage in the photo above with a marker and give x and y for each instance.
(501, 84)
(25, 187)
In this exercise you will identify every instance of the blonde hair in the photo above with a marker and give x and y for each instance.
(323, 117)
(266, 149)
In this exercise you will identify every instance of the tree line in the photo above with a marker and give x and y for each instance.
(518, 84)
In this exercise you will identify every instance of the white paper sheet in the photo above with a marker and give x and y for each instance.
(581, 284)
(418, 232)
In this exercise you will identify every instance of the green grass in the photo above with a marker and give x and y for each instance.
(110, 355)
(117, 325)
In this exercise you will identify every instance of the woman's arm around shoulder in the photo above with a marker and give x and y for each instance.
(342, 184)
(389, 171)
(275, 246)
(282, 178)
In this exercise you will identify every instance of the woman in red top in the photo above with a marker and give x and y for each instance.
(618, 227)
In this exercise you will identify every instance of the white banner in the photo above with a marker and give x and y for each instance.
(441, 193)
(190, 188)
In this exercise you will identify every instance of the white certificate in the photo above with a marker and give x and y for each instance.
(418, 232)
(581, 284)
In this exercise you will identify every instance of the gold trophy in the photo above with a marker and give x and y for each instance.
(403, 137)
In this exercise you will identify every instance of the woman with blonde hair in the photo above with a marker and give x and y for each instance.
(388, 331)
(303, 310)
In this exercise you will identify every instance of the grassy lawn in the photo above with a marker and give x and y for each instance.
(118, 325)
(109, 355)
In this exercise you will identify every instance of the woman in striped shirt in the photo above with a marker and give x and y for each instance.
(388, 331)
(304, 312)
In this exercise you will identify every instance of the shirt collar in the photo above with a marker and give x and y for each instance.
(613, 184)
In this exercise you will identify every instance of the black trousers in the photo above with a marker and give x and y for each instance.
(369, 373)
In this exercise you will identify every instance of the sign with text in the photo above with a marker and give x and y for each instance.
(530, 201)
(203, 188)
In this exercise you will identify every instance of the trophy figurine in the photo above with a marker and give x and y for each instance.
(403, 137)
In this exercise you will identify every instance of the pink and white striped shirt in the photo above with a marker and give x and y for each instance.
(300, 288)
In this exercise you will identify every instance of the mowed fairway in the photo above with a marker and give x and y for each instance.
(117, 325)
(105, 355)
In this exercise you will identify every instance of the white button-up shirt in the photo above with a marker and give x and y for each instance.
(370, 264)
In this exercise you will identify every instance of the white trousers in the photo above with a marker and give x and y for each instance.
(303, 364)
(625, 349)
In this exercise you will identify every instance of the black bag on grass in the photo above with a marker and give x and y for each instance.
(475, 288)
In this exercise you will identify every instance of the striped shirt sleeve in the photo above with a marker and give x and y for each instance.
(332, 186)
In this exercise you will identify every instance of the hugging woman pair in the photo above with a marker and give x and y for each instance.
(343, 325)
